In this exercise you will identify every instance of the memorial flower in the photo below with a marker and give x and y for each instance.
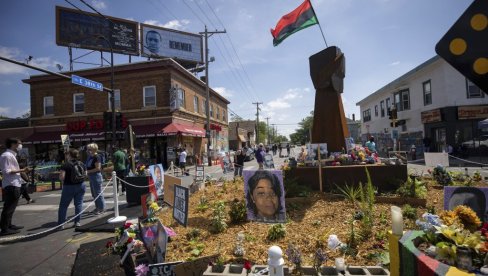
(247, 266)
(141, 270)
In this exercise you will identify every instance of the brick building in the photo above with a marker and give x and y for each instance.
(164, 103)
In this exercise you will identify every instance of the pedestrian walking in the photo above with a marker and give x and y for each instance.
(239, 162)
(182, 161)
(275, 148)
(260, 156)
(280, 148)
(73, 174)
(94, 170)
(119, 159)
(287, 150)
(11, 184)
(25, 181)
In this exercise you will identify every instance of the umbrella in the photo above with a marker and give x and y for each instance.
(483, 124)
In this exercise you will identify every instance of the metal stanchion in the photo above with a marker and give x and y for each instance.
(117, 218)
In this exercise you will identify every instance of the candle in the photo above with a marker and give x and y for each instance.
(397, 220)
(340, 265)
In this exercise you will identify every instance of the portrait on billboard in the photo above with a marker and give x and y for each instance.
(157, 175)
(161, 42)
(265, 196)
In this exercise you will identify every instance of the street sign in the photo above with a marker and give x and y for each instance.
(86, 82)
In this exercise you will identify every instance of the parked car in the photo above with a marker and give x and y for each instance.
(476, 143)
(249, 155)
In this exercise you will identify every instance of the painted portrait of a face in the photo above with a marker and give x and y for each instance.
(265, 195)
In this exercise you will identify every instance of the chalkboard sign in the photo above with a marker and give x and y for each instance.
(180, 206)
(163, 269)
(82, 30)
(199, 173)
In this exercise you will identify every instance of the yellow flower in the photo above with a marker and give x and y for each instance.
(468, 217)
(449, 217)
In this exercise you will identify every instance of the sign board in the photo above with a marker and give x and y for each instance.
(163, 269)
(162, 42)
(65, 141)
(431, 116)
(268, 161)
(474, 197)
(180, 206)
(433, 159)
(157, 174)
(473, 112)
(86, 82)
(161, 243)
(195, 267)
(170, 153)
(82, 30)
(199, 173)
(169, 182)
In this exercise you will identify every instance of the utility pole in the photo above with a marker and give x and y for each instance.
(257, 121)
(207, 34)
(267, 127)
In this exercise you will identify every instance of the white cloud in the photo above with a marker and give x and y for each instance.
(395, 63)
(278, 105)
(224, 92)
(173, 24)
(7, 68)
(98, 4)
(5, 111)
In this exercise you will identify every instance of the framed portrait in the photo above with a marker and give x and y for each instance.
(265, 196)
(157, 175)
(473, 197)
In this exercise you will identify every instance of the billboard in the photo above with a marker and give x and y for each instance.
(81, 29)
(162, 42)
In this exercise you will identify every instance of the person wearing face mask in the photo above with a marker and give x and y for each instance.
(11, 185)
(94, 170)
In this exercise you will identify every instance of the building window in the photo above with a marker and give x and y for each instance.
(181, 98)
(195, 104)
(204, 107)
(367, 115)
(388, 105)
(402, 100)
(117, 100)
(218, 113)
(382, 106)
(211, 111)
(78, 102)
(473, 90)
(427, 93)
(376, 110)
(149, 96)
(49, 105)
(223, 116)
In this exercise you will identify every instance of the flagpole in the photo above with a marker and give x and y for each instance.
(318, 23)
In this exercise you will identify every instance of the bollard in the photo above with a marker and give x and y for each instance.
(275, 261)
(117, 218)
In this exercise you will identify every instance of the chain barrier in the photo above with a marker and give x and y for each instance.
(13, 238)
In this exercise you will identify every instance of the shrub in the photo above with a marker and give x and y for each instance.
(409, 212)
(351, 193)
(367, 198)
(413, 188)
(193, 234)
(203, 205)
(238, 211)
(218, 224)
(441, 176)
(293, 189)
(276, 232)
(196, 248)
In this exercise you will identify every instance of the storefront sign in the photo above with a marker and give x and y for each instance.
(473, 112)
(180, 206)
(431, 116)
(84, 125)
(164, 269)
(199, 173)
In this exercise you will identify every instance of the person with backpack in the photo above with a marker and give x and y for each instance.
(72, 174)
(94, 170)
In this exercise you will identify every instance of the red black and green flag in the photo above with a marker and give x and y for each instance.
(300, 18)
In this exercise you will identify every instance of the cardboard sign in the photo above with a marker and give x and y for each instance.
(199, 173)
(161, 243)
(157, 174)
(433, 159)
(473, 197)
(163, 269)
(265, 196)
(268, 161)
(195, 267)
(169, 183)
(180, 206)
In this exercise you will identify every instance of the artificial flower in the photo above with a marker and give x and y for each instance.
(141, 270)
(449, 218)
(109, 244)
(247, 266)
(127, 225)
(468, 217)
(130, 239)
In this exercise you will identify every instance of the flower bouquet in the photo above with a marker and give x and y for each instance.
(441, 176)
(141, 170)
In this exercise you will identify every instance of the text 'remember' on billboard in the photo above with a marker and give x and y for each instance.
(83, 30)
(162, 42)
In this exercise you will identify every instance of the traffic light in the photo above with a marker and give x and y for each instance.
(118, 120)
(392, 114)
(107, 121)
(464, 45)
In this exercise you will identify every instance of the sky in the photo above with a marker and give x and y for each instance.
(381, 40)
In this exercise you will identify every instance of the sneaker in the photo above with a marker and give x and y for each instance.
(77, 224)
(15, 227)
(9, 232)
(31, 201)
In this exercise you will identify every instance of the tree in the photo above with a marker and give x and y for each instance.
(302, 134)
(25, 115)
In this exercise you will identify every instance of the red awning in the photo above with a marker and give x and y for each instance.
(147, 130)
(175, 128)
(55, 137)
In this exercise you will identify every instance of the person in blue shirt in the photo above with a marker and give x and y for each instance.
(371, 145)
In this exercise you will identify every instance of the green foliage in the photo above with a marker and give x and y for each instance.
(193, 234)
(276, 232)
(203, 205)
(302, 134)
(367, 199)
(430, 209)
(413, 188)
(293, 189)
(352, 240)
(383, 218)
(238, 211)
(249, 237)
(196, 248)
(409, 212)
(380, 235)
(477, 176)
(351, 193)
(218, 224)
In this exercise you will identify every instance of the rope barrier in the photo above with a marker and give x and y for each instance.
(467, 161)
(132, 185)
(13, 238)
